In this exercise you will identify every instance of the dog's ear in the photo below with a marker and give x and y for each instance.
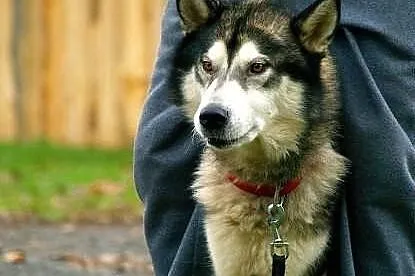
(194, 13)
(316, 25)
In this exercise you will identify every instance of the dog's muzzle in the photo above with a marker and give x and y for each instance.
(213, 119)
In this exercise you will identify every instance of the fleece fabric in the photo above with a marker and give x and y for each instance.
(374, 231)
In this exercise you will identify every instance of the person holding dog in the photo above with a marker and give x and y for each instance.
(374, 228)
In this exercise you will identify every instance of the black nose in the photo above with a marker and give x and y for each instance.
(213, 117)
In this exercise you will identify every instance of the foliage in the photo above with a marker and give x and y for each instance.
(55, 183)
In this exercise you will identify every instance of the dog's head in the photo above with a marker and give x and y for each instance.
(249, 72)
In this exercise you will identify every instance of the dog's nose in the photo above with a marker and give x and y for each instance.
(213, 117)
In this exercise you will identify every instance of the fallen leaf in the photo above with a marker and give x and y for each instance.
(68, 228)
(72, 259)
(116, 262)
(14, 256)
(106, 188)
(108, 259)
(7, 177)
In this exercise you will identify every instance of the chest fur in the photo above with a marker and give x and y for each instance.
(236, 222)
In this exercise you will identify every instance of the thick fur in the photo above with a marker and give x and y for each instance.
(280, 124)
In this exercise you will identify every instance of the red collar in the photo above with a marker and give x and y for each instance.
(262, 189)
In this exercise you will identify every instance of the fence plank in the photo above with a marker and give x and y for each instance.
(130, 64)
(8, 123)
(75, 72)
(151, 15)
(135, 61)
(54, 102)
(108, 131)
(30, 68)
(149, 27)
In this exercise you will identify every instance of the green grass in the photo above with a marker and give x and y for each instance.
(54, 183)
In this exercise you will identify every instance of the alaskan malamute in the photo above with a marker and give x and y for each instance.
(260, 89)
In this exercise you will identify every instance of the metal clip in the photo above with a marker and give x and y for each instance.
(276, 216)
(279, 248)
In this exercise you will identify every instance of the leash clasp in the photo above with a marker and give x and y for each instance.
(276, 215)
(279, 248)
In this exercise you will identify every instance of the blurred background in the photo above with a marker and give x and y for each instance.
(75, 72)
(73, 79)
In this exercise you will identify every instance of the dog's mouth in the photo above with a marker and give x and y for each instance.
(222, 143)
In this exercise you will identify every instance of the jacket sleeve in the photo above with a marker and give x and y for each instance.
(164, 161)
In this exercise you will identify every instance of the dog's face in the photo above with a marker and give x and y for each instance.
(242, 95)
(247, 70)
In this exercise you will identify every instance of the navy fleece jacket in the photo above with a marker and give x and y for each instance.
(374, 231)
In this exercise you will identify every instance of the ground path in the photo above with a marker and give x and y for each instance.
(49, 250)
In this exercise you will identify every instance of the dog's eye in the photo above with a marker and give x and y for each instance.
(207, 65)
(257, 67)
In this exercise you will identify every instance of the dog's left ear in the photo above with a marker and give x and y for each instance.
(315, 26)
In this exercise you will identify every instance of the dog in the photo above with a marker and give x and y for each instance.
(259, 86)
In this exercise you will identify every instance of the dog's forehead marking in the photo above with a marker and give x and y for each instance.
(218, 52)
(247, 52)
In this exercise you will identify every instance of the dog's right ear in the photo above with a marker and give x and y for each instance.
(194, 13)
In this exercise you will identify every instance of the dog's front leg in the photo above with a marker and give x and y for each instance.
(236, 252)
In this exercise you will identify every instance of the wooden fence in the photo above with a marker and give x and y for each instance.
(75, 71)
